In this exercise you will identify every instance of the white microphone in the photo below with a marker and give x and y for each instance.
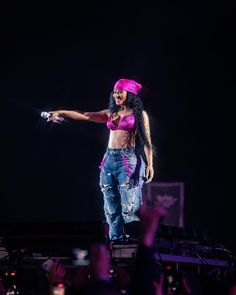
(55, 119)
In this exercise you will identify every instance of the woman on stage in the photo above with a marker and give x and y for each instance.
(123, 170)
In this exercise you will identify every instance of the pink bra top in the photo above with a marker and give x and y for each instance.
(126, 123)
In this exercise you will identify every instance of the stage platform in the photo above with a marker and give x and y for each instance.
(29, 245)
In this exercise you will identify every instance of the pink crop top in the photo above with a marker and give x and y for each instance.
(126, 123)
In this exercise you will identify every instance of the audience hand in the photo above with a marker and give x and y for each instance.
(56, 273)
(150, 218)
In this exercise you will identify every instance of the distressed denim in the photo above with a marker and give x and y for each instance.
(121, 180)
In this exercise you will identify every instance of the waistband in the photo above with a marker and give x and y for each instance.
(121, 150)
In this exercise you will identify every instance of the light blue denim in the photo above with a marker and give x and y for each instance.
(121, 180)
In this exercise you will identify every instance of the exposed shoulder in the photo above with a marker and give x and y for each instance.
(98, 117)
(146, 124)
(108, 113)
(145, 115)
(105, 112)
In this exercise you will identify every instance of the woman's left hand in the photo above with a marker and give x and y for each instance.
(149, 173)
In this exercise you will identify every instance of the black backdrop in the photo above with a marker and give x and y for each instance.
(69, 57)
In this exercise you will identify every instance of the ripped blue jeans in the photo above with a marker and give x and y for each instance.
(121, 180)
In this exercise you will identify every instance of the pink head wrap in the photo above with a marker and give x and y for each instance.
(127, 85)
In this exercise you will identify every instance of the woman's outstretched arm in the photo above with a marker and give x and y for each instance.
(98, 117)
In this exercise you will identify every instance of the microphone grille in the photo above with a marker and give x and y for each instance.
(45, 115)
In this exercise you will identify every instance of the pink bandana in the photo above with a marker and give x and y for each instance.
(127, 85)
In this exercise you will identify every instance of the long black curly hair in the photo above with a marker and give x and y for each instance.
(135, 103)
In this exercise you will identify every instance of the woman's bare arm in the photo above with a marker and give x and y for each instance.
(97, 117)
(148, 152)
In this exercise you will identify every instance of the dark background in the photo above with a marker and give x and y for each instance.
(66, 56)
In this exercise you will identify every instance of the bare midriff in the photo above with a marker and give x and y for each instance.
(121, 139)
